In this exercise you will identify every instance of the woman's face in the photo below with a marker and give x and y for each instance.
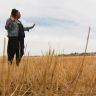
(18, 14)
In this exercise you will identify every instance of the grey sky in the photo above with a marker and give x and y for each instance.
(63, 22)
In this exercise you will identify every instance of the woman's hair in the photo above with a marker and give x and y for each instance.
(13, 12)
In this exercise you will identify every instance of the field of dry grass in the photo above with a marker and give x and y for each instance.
(49, 76)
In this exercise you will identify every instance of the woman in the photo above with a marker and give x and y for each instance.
(16, 36)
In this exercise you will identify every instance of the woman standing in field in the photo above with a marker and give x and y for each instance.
(16, 36)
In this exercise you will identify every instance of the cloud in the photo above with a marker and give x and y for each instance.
(65, 21)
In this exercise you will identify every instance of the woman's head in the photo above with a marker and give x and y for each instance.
(15, 13)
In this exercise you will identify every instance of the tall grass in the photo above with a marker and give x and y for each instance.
(49, 75)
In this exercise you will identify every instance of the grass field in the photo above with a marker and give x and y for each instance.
(49, 76)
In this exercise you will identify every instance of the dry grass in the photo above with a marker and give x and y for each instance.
(49, 75)
(36, 76)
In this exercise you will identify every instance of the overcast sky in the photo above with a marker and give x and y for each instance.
(63, 23)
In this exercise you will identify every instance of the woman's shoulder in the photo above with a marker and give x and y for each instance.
(8, 19)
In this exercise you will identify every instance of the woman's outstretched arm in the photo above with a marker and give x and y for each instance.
(27, 28)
